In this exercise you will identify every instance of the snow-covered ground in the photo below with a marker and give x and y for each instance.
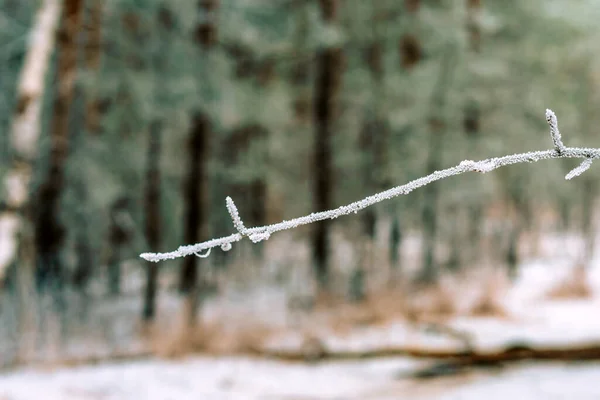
(531, 317)
(249, 379)
(203, 378)
(541, 382)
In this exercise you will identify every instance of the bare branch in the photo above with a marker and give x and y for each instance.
(263, 232)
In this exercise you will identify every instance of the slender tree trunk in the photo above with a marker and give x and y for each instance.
(120, 233)
(437, 127)
(93, 49)
(85, 261)
(521, 221)
(153, 220)
(301, 70)
(91, 118)
(429, 212)
(153, 226)
(395, 246)
(196, 198)
(328, 82)
(49, 230)
(472, 127)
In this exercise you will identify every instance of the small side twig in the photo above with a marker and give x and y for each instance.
(554, 132)
(584, 166)
(235, 216)
(258, 234)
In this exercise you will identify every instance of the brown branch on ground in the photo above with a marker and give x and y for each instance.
(511, 353)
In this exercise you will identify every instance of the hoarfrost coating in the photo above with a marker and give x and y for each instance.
(261, 233)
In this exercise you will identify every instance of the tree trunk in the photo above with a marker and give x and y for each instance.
(91, 118)
(395, 246)
(437, 127)
(471, 127)
(120, 232)
(328, 82)
(429, 212)
(16, 239)
(92, 53)
(301, 69)
(25, 128)
(49, 230)
(196, 197)
(153, 220)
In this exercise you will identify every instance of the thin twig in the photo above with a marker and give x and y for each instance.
(263, 232)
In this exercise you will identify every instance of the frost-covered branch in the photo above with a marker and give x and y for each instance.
(258, 234)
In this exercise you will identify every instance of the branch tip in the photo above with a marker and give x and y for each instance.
(235, 216)
(584, 166)
(554, 132)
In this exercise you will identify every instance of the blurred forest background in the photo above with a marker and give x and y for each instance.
(124, 124)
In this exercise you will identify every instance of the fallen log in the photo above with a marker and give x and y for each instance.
(317, 352)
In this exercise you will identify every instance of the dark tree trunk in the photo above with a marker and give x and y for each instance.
(328, 81)
(522, 217)
(120, 233)
(153, 219)
(301, 70)
(195, 195)
(49, 230)
(395, 242)
(93, 49)
(90, 111)
(471, 128)
(85, 261)
(196, 186)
